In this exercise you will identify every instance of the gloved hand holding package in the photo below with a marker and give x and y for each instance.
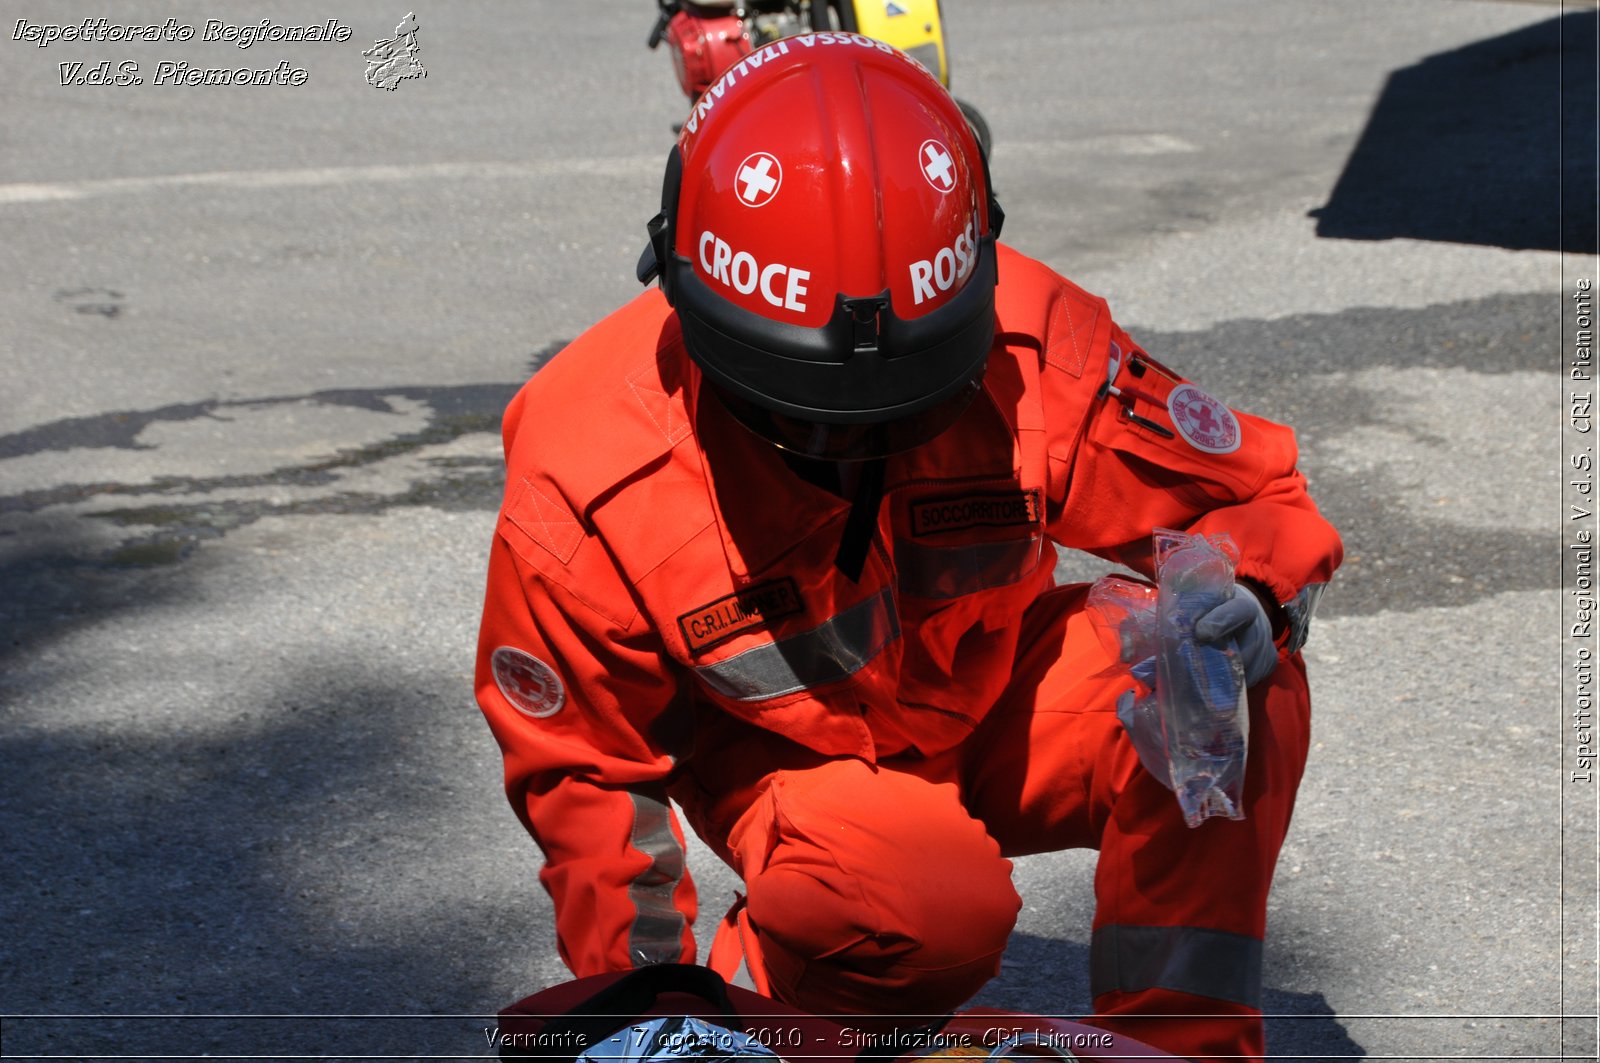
(1187, 715)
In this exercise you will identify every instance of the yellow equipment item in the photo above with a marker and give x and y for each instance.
(913, 26)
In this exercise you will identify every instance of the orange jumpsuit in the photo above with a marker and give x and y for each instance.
(664, 623)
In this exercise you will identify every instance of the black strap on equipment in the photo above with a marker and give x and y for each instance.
(862, 524)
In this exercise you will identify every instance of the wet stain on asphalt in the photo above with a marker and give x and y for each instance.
(57, 582)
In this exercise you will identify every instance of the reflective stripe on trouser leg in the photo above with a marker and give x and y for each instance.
(1189, 959)
(657, 932)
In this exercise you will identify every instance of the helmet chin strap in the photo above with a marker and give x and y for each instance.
(862, 523)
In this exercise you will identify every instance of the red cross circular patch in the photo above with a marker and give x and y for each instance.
(1202, 421)
(531, 686)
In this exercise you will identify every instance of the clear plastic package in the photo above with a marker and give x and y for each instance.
(1188, 716)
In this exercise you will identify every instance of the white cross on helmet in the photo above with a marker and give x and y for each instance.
(937, 165)
(759, 177)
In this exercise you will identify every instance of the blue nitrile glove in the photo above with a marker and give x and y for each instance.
(1142, 720)
(1243, 619)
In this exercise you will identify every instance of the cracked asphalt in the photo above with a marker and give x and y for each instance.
(258, 341)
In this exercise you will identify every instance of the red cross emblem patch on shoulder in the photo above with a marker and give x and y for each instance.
(1202, 421)
(531, 686)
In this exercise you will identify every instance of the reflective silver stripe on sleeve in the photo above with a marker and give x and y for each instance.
(836, 649)
(1186, 959)
(657, 932)
(951, 571)
(1299, 610)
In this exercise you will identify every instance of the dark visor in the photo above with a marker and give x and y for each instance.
(848, 442)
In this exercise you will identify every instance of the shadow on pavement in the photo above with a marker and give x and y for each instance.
(1493, 143)
(1043, 976)
(100, 561)
(228, 857)
(273, 861)
(1281, 369)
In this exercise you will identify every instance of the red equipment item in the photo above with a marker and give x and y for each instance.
(704, 41)
(711, 36)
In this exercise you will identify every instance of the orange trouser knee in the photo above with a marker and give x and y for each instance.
(870, 891)
(1180, 912)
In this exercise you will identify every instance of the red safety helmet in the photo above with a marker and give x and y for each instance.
(826, 237)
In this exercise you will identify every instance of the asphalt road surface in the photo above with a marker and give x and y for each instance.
(256, 342)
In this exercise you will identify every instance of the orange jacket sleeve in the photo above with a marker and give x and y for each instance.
(580, 698)
(1153, 451)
